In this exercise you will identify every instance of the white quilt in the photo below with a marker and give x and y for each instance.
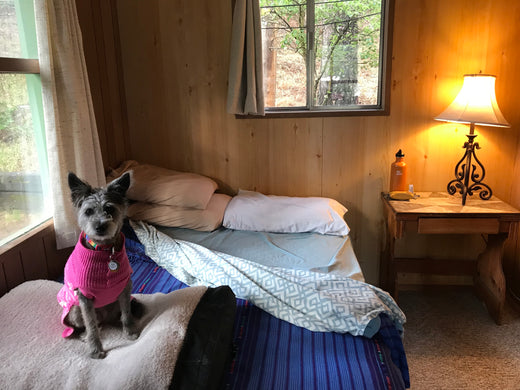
(316, 301)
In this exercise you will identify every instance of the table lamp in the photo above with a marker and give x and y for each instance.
(475, 104)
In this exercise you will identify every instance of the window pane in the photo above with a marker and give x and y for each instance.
(284, 44)
(347, 52)
(17, 29)
(344, 56)
(23, 200)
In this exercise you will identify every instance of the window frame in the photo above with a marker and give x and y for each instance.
(19, 65)
(385, 66)
(30, 67)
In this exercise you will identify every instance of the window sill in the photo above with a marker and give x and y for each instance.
(316, 114)
(46, 224)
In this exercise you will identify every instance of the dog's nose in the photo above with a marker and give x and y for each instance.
(101, 228)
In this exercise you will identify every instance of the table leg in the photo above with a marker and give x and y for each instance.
(490, 283)
(388, 276)
(383, 265)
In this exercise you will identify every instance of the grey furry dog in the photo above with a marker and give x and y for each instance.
(97, 284)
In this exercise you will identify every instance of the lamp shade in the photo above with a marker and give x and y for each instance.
(476, 103)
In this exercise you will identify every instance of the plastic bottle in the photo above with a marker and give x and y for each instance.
(398, 173)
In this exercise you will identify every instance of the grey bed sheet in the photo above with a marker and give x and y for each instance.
(308, 251)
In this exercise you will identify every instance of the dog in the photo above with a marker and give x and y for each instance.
(97, 284)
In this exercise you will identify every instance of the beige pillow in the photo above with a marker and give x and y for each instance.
(204, 220)
(151, 184)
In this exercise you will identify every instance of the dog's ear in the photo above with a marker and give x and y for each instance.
(121, 184)
(78, 189)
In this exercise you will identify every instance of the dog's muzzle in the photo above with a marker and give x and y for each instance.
(101, 228)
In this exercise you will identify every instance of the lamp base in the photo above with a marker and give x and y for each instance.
(466, 171)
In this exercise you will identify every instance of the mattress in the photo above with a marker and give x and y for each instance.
(306, 251)
(272, 354)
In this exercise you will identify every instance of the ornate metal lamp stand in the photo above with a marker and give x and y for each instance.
(465, 170)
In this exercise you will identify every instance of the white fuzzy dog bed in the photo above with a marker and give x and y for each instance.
(34, 355)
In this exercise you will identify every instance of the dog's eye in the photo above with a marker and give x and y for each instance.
(89, 212)
(109, 209)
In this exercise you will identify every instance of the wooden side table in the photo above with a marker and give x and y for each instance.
(440, 213)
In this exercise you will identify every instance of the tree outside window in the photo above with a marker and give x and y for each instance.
(323, 54)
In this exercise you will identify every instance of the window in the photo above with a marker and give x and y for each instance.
(325, 55)
(24, 186)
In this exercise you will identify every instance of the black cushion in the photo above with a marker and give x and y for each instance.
(208, 345)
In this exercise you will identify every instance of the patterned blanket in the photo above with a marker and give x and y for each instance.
(316, 301)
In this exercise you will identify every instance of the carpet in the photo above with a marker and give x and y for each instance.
(452, 343)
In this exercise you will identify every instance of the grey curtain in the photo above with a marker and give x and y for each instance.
(245, 91)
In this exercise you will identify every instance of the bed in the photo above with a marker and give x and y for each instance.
(272, 306)
(295, 276)
(270, 353)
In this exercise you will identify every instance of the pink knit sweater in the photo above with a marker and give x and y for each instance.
(88, 270)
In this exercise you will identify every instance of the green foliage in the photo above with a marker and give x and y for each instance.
(289, 16)
(352, 22)
(346, 36)
(16, 133)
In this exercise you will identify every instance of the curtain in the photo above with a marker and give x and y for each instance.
(245, 90)
(72, 139)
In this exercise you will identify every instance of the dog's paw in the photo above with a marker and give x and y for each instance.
(97, 354)
(132, 334)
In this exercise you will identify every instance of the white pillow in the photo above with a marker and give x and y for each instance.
(251, 210)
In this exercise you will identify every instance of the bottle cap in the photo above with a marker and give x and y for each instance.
(399, 153)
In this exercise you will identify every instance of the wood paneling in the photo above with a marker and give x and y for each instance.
(3, 282)
(175, 63)
(34, 262)
(31, 256)
(13, 269)
(99, 27)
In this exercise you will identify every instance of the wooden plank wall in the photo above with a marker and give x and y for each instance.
(99, 27)
(174, 60)
(32, 256)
